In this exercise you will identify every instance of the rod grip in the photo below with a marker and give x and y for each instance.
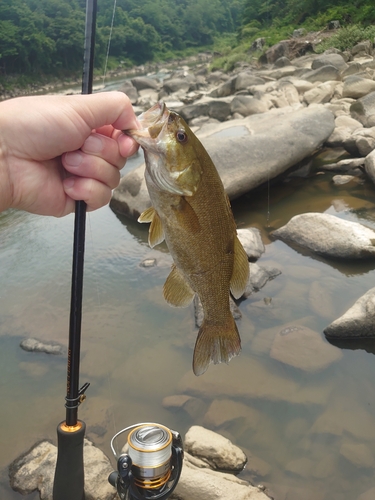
(69, 473)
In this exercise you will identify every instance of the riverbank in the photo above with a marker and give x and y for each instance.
(16, 86)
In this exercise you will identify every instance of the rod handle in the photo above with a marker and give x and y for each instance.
(69, 472)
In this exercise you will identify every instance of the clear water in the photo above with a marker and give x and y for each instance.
(136, 350)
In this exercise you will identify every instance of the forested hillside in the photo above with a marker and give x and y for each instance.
(45, 37)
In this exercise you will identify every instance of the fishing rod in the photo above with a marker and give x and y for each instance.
(69, 473)
(153, 466)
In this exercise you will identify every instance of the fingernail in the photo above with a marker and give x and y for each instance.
(74, 158)
(93, 144)
(69, 182)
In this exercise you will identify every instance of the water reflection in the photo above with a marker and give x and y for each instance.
(301, 428)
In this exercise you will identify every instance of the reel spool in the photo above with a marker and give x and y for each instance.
(152, 466)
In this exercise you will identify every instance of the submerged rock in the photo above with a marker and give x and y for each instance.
(329, 236)
(304, 348)
(259, 276)
(358, 321)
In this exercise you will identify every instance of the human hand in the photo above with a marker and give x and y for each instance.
(58, 149)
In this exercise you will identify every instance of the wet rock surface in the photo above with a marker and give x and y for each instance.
(329, 235)
(207, 453)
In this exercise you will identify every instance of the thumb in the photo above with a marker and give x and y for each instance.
(105, 108)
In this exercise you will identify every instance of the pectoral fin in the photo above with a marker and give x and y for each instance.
(177, 292)
(156, 232)
(186, 217)
(240, 275)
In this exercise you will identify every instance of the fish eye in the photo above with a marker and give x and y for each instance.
(181, 136)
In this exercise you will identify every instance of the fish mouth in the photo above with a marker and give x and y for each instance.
(151, 123)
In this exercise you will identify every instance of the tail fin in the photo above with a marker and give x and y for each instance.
(215, 344)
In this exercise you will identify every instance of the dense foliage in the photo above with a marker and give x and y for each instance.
(313, 14)
(47, 36)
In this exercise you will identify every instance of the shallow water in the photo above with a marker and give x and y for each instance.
(136, 350)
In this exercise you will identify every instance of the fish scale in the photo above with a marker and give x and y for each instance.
(191, 211)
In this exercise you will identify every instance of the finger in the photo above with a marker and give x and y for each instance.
(94, 193)
(105, 147)
(89, 166)
(106, 108)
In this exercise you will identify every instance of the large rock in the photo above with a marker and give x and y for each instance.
(214, 449)
(356, 86)
(322, 74)
(363, 110)
(242, 154)
(328, 235)
(358, 321)
(246, 106)
(197, 483)
(325, 59)
(36, 471)
(144, 82)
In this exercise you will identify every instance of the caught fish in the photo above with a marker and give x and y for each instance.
(191, 211)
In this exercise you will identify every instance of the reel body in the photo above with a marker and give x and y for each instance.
(152, 467)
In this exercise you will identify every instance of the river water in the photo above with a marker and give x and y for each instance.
(311, 435)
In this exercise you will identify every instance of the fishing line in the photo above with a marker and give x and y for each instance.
(109, 40)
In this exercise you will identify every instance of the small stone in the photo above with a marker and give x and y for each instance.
(34, 345)
(148, 263)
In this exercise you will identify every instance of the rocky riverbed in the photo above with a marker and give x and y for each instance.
(263, 121)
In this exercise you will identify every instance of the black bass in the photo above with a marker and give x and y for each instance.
(191, 211)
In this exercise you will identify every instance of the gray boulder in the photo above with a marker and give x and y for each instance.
(194, 110)
(252, 242)
(370, 165)
(214, 449)
(281, 49)
(328, 235)
(358, 321)
(247, 106)
(225, 89)
(355, 87)
(322, 74)
(144, 82)
(220, 110)
(246, 79)
(241, 151)
(363, 110)
(175, 84)
(335, 60)
(36, 469)
(198, 482)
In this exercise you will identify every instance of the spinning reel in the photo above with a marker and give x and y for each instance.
(152, 465)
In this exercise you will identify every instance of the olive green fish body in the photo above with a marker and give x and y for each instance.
(191, 211)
